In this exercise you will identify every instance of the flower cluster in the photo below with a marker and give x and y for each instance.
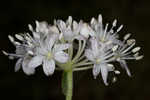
(73, 45)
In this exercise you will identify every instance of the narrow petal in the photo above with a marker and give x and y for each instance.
(61, 25)
(100, 18)
(51, 39)
(27, 70)
(18, 64)
(61, 57)
(85, 30)
(35, 61)
(124, 65)
(48, 67)
(96, 70)
(54, 29)
(89, 54)
(69, 21)
(104, 72)
(75, 25)
(42, 27)
(60, 47)
(93, 21)
(94, 45)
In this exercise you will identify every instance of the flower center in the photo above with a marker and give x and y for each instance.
(49, 55)
(98, 61)
(103, 39)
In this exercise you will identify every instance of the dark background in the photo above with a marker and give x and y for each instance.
(15, 15)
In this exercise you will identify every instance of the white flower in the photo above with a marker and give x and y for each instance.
(42, 30)
(86, 30)
(22, 55)
(48, 53)
(69, 30)
(103, 35)
(127, 52)
(100, 59)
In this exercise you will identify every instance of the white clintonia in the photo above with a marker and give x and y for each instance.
(53, 47)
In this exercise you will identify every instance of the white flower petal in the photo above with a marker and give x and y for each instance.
(61, 57)
(124, 65)
(89, 55)
(60, 47)
(18, 64)
(27, 70)
(96, 70)
(93, 21)
(54, 29)
(69, 21)
(94, 45)
(48, 67)
(85, 30)
(75, 25)
(51, 39)
(35, 61)
(42, 27)
(61, 25)
(104, 72)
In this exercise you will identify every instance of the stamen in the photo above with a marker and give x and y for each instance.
(117, 72)
(11, 38)
(136, 49)
(115, 48)
(30, 27)
(93, 21)
(139, 57)
(130, 41)
(119, 28)
(19, 37)
(127, 36)
(114, 23)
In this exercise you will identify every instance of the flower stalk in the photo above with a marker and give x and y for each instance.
(69, 84)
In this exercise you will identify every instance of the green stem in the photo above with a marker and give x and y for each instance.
(69, 85)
